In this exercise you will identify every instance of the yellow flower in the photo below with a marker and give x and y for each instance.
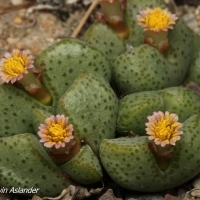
(55, 132)
(14, 66)
(156, 19)
(163, 128)
(18, 67)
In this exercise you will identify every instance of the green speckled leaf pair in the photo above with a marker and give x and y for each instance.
(64, 61)
(134, 108)
(24, 163)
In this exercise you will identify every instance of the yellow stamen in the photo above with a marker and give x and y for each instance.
(157, 19)
(57, 133)
(164, 129)
(14, 66)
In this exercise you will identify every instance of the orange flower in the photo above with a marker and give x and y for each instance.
(18, 67)
(14, 66)
(55, 132)
(156, 19)
(163, 128)
(156, 23)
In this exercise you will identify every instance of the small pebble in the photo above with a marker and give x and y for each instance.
(196, 183)
(145, 197)
(196, 191)
(70, 1)
(51, 40)
(12, 40)
(17, 20)
(87, 2)
(16, 2)
(170, 197)
(5, 197)
(181, 193)
(109, 195)
(22, 13)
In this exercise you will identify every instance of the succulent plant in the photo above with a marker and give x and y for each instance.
(105, 39)
(92, 108)
(25, 164)
(62, 130)
(131, 164)
(194, 71)
(180, 100)
(84, 168)
(66, 139)
(16, 110)
(133, 111)
(133, 7)
(134, 108)
(71, 63)
(143, 68)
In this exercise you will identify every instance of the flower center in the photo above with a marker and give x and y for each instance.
(14, 66)
(164, 129)
(57, 133)
(157, 19)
